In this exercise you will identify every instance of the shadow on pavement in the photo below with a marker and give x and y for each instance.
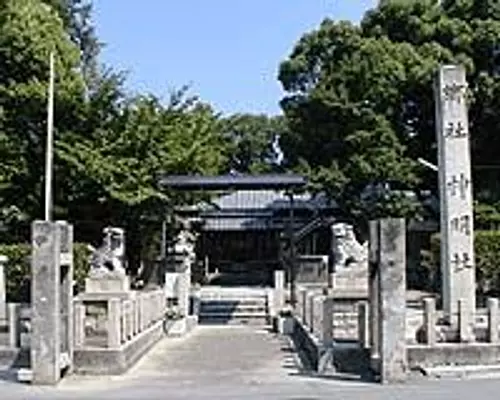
(298, 364)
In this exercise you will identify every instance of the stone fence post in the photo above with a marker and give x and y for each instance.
(327, 321)
(310, 312)
(299, 305)
(184, 284)
(14, 334)
(465, 321)
(373, 287)
(3, 288)
(140, 316)
(363, 325)
(148, 310)
(79, 315)
(114, 323)
(279, 290)
(129, 321)
(430, 320)
(135, 316)
(160, 307)
(493, 320)
(317, 315)
(304, 309)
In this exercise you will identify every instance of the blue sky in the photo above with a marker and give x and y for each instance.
(228, 51)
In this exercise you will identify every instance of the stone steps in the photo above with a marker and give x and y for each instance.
(242, 320)
(233, 306)
(234, 319)
(232, 309)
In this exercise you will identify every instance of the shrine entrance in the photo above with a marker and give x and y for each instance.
(249, 230)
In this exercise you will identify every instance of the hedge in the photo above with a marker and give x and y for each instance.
(487, 255)
(18, 270)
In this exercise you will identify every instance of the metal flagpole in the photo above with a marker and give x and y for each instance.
(50, 138)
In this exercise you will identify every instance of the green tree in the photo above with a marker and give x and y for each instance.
(470, 31)
(122, 161)
(360, 99)
(252, 142)
(29, 31)
(77, 19)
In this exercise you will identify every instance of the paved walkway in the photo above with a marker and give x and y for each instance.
(236, 363)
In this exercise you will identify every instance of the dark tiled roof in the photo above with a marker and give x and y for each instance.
(270, 200)
(250, 210)
(224, 182)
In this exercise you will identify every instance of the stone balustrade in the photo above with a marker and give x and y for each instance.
(344, 317)
(119, 320)
(313, 330)
(351, 321)
(483, 328)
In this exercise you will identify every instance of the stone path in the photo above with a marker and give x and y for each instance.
(214, 354)
(236, 363)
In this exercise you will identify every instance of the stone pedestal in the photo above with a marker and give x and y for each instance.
(171, 284)
(178, 286)
(107, 283)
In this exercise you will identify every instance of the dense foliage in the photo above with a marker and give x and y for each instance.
(18, 269)
(360, 99)
(110, 147)
(252, 142)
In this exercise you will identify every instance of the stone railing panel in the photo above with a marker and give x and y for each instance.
(122, 319)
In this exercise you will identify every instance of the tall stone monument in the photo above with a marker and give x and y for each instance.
(455, 187)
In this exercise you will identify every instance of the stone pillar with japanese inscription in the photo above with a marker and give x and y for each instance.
(455, 188)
